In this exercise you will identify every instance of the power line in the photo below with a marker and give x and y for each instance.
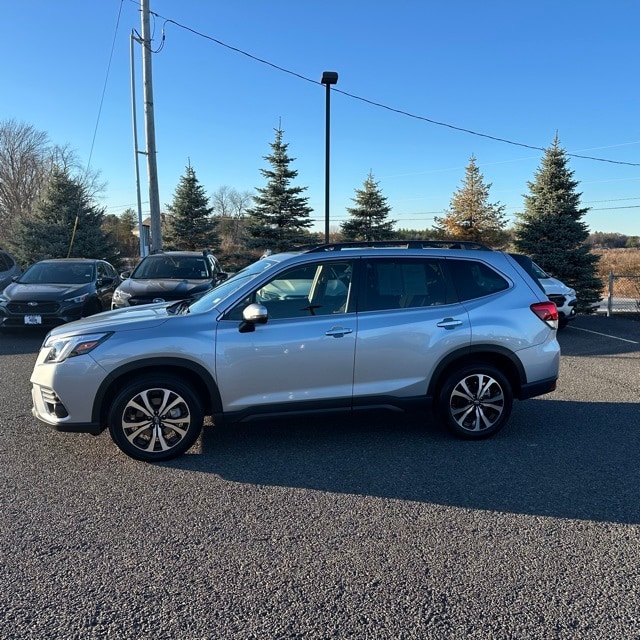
(377, 104)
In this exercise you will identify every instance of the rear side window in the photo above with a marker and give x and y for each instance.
(475, 279)
(403, 283)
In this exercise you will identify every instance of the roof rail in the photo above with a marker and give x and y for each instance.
(400, 244)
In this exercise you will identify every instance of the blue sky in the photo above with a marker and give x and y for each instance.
(521, 70)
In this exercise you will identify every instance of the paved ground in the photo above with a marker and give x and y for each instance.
(380, 528)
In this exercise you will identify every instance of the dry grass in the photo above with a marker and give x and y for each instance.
(619, 261)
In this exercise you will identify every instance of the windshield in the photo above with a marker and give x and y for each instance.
(58, 273)
(224, 290)
(165, 267)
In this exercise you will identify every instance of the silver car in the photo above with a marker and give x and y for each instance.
(338, 327)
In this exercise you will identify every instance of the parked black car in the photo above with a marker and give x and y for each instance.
(169, 275)
(52, 292)
(9, 269)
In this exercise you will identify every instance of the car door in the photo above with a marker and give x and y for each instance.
(302, 358)
(409, 319)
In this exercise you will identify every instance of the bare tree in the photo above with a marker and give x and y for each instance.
(66, 159)
(27, 161)
(23, 170)
(230, 206)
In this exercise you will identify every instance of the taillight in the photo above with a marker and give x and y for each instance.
(547, 312)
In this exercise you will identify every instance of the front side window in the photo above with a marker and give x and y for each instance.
(315, 289)
(404, 283)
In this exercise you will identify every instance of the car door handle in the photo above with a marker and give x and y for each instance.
(338, 332)
(449, 323)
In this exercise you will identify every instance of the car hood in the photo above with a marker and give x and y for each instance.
(25, 292)
(552, 285)
(126, 319)
(167, 289)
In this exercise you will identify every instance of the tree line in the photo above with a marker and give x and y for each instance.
(48, 210)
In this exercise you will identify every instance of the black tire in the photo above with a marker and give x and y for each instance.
(562, 323)
(140, 427)
(475, 401)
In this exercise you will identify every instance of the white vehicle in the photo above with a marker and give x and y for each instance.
(562, 296)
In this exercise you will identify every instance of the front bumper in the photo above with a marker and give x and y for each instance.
(63, 393)
(39, 318)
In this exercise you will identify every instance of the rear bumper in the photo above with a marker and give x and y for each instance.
(538, 388)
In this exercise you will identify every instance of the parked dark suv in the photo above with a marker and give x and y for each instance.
(169, 275)
(339, 327)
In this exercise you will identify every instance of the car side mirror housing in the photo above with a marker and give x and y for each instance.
(125, 274)
(252, 315)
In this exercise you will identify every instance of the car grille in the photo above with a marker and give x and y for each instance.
(31, 308)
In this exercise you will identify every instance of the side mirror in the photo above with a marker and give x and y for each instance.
(222, 276)
(252, 315)
(125, 274)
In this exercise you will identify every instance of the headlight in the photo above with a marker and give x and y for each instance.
(121, 296)
(67, 347)
(77, 299)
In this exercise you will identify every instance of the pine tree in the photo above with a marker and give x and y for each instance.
(280, 218)
(552, 231)
(64, 223)
(369, 217)
(190, 226)
(470, 215)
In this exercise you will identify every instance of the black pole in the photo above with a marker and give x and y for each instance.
(327, 163)
(328, 78)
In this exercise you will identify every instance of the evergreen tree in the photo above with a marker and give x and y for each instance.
(190, 226)
(551, 229)
(64, 223)
(121, 230)
(280, 218)
(471, 216)
(369, 217)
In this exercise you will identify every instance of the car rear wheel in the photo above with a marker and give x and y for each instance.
(475, 402)
(155, 418)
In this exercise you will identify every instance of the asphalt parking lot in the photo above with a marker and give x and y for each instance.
(381, 527)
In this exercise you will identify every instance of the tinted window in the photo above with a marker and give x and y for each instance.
(172, 267)
(475, 279)
(5, 261)
(402, 283)
(58, 273)
(311, 290)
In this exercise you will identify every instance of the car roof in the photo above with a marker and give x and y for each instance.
(70, 260)
(176, 253)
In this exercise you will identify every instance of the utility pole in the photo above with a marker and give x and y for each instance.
(152, 167)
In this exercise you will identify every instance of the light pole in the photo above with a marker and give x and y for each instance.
(328, 78)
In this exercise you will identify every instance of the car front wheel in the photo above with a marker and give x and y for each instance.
(155, 418)
(475, 402)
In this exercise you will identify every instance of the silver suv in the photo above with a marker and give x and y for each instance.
(338, 327)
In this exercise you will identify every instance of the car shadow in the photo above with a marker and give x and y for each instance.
(555, 458)
(20, 341)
